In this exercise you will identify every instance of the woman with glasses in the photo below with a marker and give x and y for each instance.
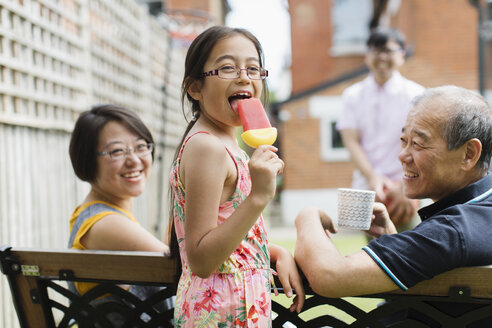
(112, 150)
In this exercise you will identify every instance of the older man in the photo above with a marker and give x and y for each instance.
(446, 147)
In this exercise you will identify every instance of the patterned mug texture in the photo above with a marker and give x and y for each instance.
(355, 208)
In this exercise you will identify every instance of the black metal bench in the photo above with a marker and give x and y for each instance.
(38, 277)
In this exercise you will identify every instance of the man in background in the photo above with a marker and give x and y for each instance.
(374, 111)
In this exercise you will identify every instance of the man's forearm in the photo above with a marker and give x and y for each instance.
(312, 242)
(330, 273)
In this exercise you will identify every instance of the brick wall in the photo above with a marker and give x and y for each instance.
(444, 33)
(196, 5)
(311, 32)
(300, 145)
(445, 36)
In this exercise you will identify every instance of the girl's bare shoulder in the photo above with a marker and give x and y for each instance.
(205, 154)
(204, 144)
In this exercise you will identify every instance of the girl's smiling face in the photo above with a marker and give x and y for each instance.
(218, 96)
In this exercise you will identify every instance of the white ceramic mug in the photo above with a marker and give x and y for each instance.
(355, 208)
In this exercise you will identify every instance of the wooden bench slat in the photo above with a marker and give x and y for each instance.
(91, 264)
(477, 279)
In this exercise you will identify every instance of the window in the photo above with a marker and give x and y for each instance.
(328, 109)
(350, 26)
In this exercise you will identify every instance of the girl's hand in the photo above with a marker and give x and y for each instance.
(289, 276)
(264, 166)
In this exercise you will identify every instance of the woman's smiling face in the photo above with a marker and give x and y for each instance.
(124, 178)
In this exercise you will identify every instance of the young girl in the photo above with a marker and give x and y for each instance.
(218, 194)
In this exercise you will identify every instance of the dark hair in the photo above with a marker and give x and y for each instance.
(85, 136)
(197, 55)
(468, 116)
(381, 35)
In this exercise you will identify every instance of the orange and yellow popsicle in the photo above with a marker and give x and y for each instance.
(256, 126)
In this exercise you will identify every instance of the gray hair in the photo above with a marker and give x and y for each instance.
(468, 116)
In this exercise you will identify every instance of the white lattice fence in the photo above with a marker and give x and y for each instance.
(57, 58)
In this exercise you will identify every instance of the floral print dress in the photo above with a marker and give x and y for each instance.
(237, 294)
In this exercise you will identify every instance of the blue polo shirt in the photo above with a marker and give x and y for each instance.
(455, 232)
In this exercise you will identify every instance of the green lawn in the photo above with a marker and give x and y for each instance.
(347, 243)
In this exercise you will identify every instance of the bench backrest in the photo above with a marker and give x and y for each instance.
(38, 278)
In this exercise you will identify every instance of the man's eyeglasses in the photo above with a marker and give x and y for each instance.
(141, 150)
(384, 50)
(231, 72)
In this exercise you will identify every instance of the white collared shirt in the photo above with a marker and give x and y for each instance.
(378, 113)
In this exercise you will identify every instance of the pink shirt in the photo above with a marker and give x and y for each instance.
(378, 113)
